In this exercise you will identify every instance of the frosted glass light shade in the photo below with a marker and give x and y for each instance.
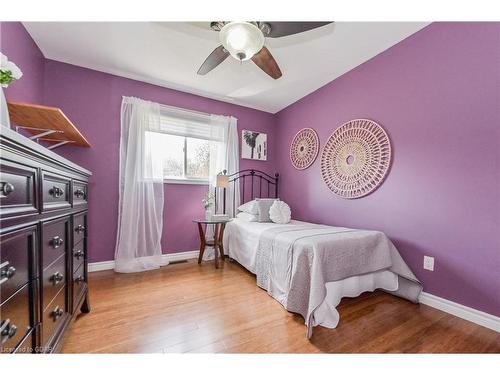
(241, 39)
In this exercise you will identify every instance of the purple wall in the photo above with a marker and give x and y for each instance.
(92, 101)
(437, 95)
(17, 45)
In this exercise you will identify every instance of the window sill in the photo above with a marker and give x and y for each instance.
(185, 181)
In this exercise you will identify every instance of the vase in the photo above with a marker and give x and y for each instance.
(4, 112)
(208, 214)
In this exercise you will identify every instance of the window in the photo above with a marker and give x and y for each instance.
(183, 158)
(183, 144)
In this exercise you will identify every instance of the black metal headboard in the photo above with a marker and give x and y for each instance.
(253, 184)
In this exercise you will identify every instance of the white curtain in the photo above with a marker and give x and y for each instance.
(224, 155)
(140, 212)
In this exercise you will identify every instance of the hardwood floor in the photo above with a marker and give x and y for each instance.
(187, 307)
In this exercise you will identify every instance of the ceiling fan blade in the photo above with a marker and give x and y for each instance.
(279, 29)
(267, 63)
(217, 56)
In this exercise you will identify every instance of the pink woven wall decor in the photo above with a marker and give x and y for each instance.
(304, 148)
(356, 158)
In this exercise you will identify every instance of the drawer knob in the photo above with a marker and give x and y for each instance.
(7, 273)
(7, 329)
(57, 313)
(57, 192)
(57, 242)
(80, 228)
(57, 278)
(79, 193)
(80, 279)
(6, 188)
(79, 254)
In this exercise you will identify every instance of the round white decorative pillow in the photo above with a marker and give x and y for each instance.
(280, 212)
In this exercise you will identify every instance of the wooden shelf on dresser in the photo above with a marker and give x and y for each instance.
(48, 124)
(43, 245)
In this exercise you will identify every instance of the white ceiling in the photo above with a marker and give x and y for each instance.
(169, 54)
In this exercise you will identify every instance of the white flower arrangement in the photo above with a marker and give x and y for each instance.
(9, 71)
(209, 200)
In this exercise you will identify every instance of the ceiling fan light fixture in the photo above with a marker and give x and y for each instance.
(241, 39)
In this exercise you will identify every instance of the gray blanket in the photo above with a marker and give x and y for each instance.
(295, 262)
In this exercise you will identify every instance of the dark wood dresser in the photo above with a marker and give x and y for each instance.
(43, 245)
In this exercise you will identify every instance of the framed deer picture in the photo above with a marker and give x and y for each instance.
(253, 145)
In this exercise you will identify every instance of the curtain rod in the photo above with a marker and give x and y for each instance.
(183, 109)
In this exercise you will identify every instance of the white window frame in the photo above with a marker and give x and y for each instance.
(188, 124)
(199, 116)
(186, 180)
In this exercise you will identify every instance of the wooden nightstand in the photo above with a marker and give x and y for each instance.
(217, 241)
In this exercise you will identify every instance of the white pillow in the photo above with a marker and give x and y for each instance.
(247, 217)
(280, 212)
(251, 207)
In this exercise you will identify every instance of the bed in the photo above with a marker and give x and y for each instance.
(308, 267)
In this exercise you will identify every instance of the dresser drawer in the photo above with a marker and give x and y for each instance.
(80, 192)
(78, 255)
(17, 250)
(26, 346)
(14, 320)
(79, 227)
(55, 191)
(53, 280)
(55, 240)
(79, 283)
(17, 189)
(53, 317)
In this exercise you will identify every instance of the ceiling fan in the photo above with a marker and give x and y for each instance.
(245, 40)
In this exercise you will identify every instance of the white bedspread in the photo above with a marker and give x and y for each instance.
(241, 242)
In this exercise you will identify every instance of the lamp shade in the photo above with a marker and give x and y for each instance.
(222, 181)
(241, 39)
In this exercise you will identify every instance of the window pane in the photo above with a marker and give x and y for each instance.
(170, 149)
(198, 152)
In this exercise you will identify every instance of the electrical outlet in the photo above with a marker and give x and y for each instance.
(428, 263)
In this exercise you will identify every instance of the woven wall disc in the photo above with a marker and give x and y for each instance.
(356, 158)
(304, 148)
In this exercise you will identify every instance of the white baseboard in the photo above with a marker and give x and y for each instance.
(101, 266)
(185, 255)
(464, 312)
(174, 257)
